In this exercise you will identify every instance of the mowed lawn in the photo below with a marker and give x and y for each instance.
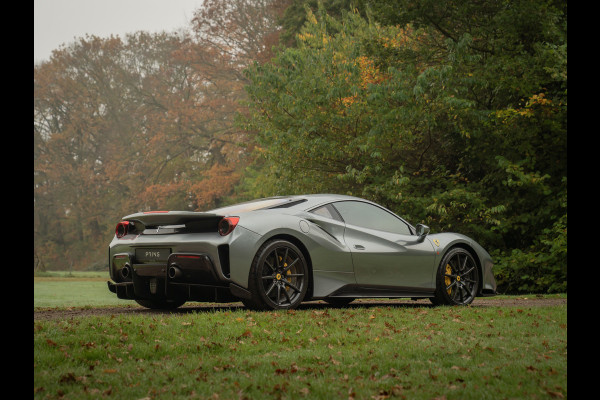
(361, 351)
(73, 289)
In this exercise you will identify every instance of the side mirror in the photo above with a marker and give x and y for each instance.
(422, 231)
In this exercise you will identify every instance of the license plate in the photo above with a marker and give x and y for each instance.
(152, 255)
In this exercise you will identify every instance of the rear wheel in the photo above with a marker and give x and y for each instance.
(278, 276)
(457, 279)
(161, 304)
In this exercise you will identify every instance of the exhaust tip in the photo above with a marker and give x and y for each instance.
(126, 271)
(174, 272)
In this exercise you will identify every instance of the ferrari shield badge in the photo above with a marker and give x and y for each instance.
(437, 242)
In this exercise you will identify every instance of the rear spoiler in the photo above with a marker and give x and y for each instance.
(161, 218)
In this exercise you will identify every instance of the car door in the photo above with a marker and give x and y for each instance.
(384, 251)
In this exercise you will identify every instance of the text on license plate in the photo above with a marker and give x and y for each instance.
(152, 254)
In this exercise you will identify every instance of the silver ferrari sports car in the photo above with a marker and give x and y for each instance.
(277, 252)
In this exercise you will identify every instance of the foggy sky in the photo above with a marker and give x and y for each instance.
(62, 21)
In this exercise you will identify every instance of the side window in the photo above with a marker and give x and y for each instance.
(323, 212)
(327, 211)
(369, 216)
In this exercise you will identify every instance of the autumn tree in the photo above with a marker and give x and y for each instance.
(141, 122)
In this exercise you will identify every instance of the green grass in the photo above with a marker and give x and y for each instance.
(407, 352)
(72, 274)
(76, 289)
(361, 352)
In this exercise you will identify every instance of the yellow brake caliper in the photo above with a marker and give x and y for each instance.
(447, 279)
(289, 279)
(287, 273)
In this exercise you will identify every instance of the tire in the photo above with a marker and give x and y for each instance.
(457, 279)
(278, 276)
(161, 304)
(249, 304)
(339, 301)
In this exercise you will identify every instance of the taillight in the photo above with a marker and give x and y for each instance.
(121, 229)
(227, 224)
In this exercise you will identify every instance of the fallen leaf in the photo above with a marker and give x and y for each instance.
(68, 378)
(433, 377)
(382, 395)
(397, 390)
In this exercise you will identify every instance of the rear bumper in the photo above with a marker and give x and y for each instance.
(177, 291)
(184, 276)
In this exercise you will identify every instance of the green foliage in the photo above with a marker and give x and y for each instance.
(540, 268)
(449, 113)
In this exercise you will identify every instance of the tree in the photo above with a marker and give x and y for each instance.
(141, 122)
(452, 114)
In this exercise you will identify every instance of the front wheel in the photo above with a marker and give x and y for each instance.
(457, 279)
(278, 276)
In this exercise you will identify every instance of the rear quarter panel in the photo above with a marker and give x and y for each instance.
(322, 238)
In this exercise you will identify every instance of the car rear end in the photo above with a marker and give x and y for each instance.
(172, 256)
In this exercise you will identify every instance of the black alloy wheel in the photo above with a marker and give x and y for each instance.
(278, 277)
(457, 280)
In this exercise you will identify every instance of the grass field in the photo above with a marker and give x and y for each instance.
(364, 352)
(73, 289)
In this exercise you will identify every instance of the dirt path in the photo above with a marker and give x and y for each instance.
(66, 313)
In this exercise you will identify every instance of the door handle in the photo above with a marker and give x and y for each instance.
(359, 247)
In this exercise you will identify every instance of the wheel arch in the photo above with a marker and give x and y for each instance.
(298, 243)
(473, 253)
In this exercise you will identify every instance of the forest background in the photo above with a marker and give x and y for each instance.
(452, 114)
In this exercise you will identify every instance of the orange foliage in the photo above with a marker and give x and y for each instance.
(142, 123)
(201, 194)
(405, 38)
(369, 73)
(218, 182)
